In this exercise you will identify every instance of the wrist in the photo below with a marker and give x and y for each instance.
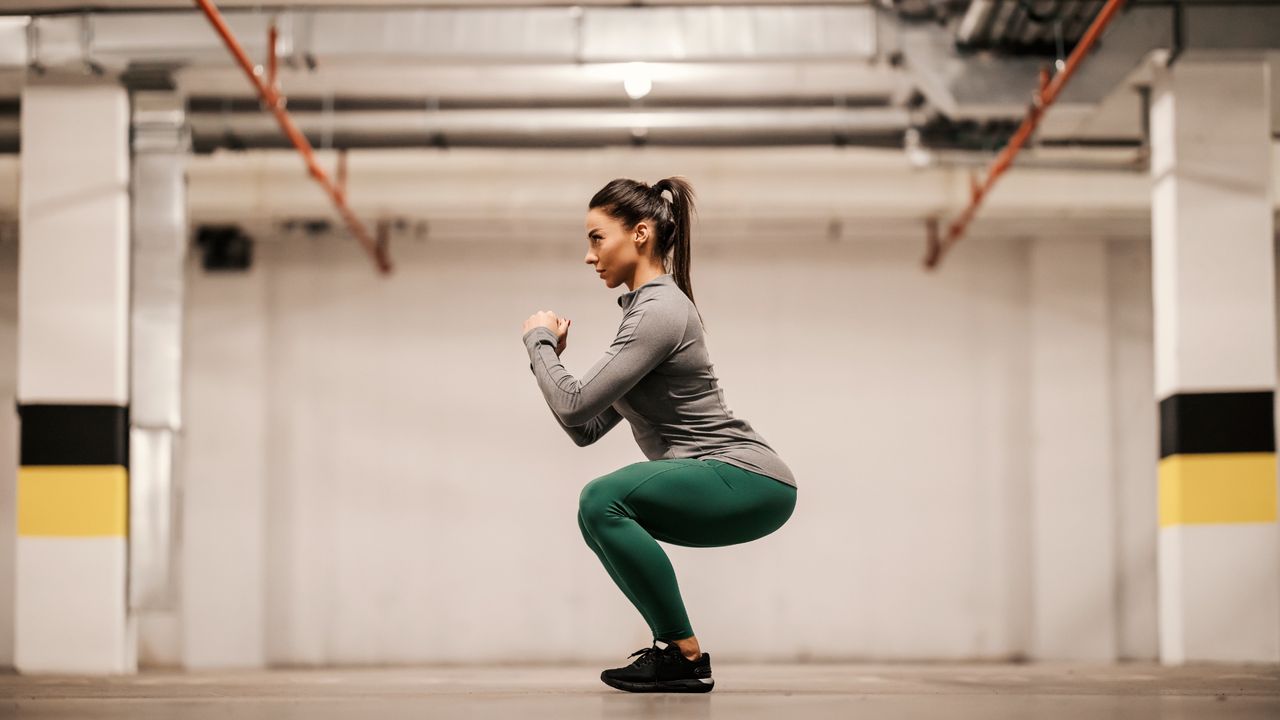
(534, 337)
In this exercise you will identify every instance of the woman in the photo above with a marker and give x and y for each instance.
(710, 481)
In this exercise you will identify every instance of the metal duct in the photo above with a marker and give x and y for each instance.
(991, 87)
(160, 148)
(974, 20)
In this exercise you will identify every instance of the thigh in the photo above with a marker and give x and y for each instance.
(607, 492)
(708, 503)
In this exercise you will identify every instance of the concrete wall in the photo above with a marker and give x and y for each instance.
(372, 476)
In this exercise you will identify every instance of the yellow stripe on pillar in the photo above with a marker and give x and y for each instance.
(73, 500)
(1217, 488)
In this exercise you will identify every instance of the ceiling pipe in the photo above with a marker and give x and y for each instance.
(564, 127)
(275, 103)
(937, 246)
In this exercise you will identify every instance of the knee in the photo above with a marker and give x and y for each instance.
(595, 500)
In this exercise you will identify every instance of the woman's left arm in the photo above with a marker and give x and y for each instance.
(650, 331)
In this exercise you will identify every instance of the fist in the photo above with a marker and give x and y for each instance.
(545, 318)
(549, 320)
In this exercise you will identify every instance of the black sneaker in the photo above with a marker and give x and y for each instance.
(662, 670)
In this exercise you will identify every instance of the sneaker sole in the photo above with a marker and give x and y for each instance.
(696, 685)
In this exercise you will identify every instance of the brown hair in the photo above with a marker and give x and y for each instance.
(630, 202)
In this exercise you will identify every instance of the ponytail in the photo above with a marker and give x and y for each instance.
(681, 208)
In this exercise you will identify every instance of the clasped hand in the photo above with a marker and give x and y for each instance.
(549, 320)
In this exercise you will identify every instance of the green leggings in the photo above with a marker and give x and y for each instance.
(686, 501)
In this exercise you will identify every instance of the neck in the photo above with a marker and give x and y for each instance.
(644, 274)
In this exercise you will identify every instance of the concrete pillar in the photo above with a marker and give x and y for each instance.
(71, 614)
(1213, 284)
(160, 146)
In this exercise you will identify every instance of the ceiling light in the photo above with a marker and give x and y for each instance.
(636, 80)
(917, 154)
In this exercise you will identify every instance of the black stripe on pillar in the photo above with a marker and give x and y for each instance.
(1217, 422)
(74, 435)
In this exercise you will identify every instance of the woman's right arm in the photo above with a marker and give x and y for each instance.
(593, 430)
(596, 427)
(650, 332)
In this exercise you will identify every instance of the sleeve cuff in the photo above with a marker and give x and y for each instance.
(541, 333)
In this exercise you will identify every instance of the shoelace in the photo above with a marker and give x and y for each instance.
(647, 655)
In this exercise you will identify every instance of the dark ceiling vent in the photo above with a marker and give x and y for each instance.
(224, 248)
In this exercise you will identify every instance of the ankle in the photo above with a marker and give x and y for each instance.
(689, 648)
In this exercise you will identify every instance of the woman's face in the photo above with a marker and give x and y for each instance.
(611, 249)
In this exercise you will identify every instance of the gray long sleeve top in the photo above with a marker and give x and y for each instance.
(656, 374)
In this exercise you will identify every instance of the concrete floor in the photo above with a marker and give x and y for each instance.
(792, 692)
